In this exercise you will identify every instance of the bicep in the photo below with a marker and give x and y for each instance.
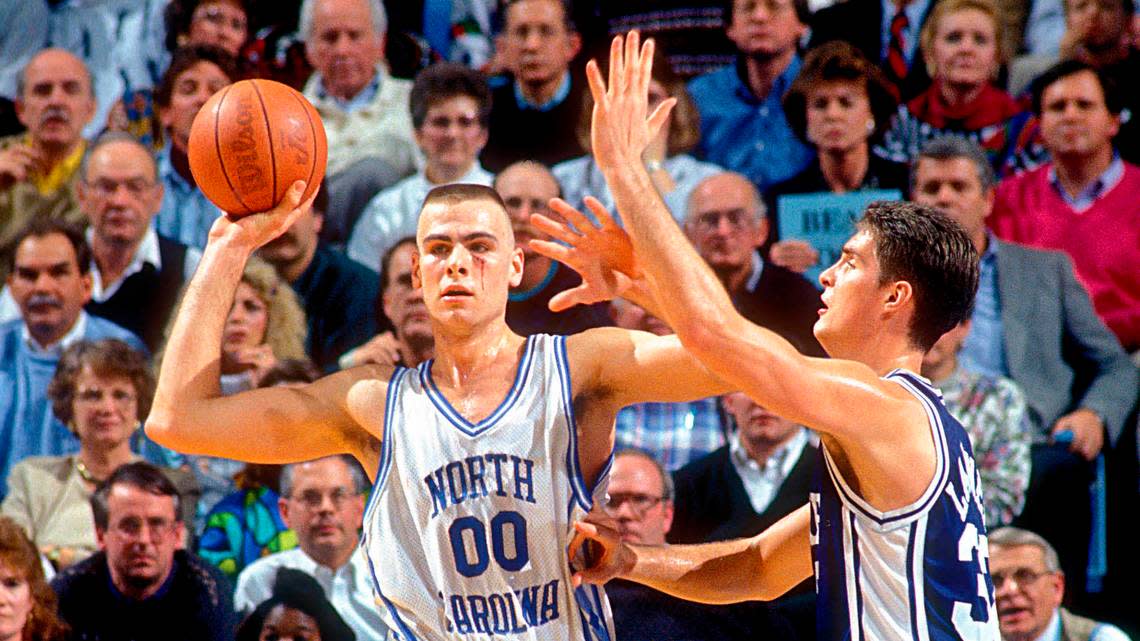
(277, 424)
(638, 367)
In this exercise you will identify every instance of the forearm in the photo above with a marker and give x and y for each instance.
(759, 568)
(716, 573)
(687, 293)
(191, 363)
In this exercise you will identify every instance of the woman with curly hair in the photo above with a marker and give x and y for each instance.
(102, 391)
(27, 602)
(839, 104)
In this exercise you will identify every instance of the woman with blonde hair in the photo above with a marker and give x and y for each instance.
(29, 612)
(964, 48)
(266, 324)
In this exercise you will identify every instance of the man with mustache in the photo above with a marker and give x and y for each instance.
(323, 502)
(336, 291)
(50, 280)
(38, 168)
(142, 584)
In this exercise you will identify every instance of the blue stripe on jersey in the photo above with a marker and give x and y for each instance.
(405, 633)
(856, 571)
(573, 463)
(592, 613)
(387, 442)
(455, 418)
(933, 492)
(914, 605)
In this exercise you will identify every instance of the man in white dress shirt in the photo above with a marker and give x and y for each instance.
(323, 501)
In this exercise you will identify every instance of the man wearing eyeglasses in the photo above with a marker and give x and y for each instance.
(323, 502)
(142, 585)
(726, 221)
(1030, 586)
(639, 498)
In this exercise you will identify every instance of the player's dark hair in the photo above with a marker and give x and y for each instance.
(926, 248)
(41, 227)
(443, 81)
(1066, 68)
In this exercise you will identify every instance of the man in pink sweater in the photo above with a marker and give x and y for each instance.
(1086, 202)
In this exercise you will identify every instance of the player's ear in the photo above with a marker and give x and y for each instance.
(417, 281)
(899, 293)
(516, 267)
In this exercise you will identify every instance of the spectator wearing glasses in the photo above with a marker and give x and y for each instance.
(727, 222)
(141, 585)
(101, 391)
(323, 502)
(1029, 586)
(640, 499)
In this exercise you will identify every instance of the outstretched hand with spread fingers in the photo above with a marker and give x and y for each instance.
(620, 128)
(256, 230)
(601, 253)
(597, 553)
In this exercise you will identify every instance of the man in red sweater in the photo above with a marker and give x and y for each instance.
(1086, 202)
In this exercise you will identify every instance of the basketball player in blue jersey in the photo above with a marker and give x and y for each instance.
(482, 459)
(893, 530)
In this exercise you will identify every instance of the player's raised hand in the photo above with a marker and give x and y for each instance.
(253, 231)
(597, 553)
(601, 253)
(621, 126)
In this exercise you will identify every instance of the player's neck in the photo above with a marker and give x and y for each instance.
(882, 353)
(459, 356)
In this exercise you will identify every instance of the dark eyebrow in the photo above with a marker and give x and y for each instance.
(466, 238)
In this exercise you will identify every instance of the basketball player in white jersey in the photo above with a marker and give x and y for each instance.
(893, 529)
(483, 458)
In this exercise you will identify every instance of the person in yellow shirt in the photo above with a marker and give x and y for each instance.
(39, 168)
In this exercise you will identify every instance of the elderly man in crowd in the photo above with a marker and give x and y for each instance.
(38, 169)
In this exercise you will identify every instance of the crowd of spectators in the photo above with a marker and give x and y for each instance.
(1018, 119)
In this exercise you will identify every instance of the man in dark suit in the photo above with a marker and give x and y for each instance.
(726, 221)
(877, 27)
(1034, 323)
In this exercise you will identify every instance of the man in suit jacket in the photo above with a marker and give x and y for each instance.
(1034, 323)
(726, 221)
(867, 25)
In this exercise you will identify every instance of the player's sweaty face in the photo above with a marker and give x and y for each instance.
(467, 259)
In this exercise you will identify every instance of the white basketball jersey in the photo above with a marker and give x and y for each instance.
(468, 526)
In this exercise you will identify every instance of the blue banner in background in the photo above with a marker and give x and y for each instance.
(826, 221)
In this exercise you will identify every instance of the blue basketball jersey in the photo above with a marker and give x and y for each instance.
(467, 529)
(920, 572)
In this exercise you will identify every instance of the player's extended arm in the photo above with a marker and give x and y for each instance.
(815, 392)
(762, 567)
(265, 425)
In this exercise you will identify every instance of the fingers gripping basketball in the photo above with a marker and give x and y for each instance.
(251, 141)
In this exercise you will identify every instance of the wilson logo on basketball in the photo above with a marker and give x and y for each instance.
(297, 142)
(244, 150)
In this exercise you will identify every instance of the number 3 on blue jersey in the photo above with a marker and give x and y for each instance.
(967, 626)
(462, 552)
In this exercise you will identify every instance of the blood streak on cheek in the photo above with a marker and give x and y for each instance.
(482, 263)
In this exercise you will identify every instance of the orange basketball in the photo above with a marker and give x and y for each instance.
(251, 141)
